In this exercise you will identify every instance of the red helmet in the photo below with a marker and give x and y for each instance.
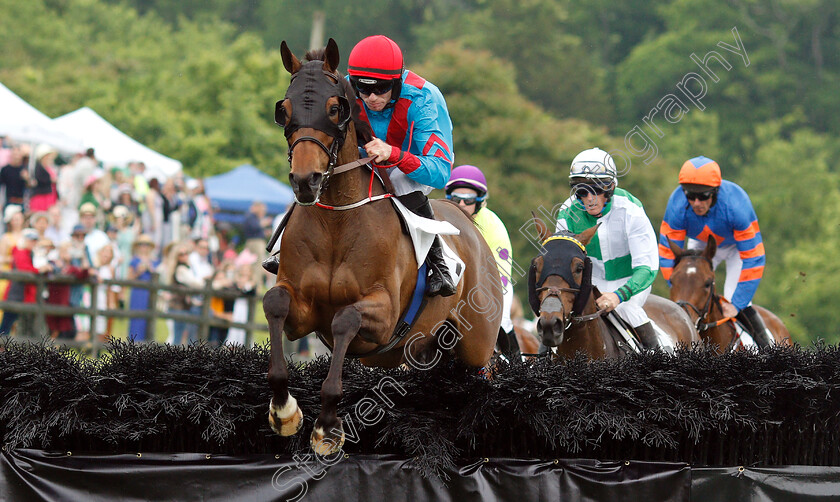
(700, 171)
(376, 57)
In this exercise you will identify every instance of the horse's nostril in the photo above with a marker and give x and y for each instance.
(315, 180)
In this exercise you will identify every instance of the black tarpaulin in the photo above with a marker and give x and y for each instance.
(38, 475)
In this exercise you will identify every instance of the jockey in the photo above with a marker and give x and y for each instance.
(412, 137)
(412, 134)
(705, 205)
(467, 187)
(623, 252)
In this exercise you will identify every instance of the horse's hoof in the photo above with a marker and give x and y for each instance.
(325, 445)
(287, 420)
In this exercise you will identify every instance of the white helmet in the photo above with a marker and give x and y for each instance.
(593, 166)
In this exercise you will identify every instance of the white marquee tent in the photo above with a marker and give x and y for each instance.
(24, 123)
(113, 146)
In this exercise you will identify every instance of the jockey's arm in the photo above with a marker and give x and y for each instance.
(750, 247)
(430, 156)
(673, 227)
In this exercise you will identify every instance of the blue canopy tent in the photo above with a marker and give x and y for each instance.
(232, 193)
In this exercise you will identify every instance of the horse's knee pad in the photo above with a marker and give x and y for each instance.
(276, 302)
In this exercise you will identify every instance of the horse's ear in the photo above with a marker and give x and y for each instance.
(711, 247)
(290, 62)
(542, 229)
(586, 236)
(331, 58)
(675, 248)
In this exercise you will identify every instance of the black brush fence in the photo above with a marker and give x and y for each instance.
(780, 406)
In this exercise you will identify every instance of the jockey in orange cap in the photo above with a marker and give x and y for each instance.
(705, 205)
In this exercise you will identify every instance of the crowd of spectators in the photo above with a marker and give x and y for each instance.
(75, 217)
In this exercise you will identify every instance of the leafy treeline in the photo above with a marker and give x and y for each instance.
(529, 84)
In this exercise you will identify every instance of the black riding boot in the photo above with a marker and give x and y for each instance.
(648, 336)
(439, 282)
(755, 324)
(508, 345)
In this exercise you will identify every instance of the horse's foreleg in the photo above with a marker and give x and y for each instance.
(284, 414)
(328, 434)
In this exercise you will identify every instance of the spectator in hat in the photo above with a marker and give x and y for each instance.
(127, 198)
(97, 192)
(43, 184)
(84, 167)
(126, 233)
(40, 221)
(180, 274)
(94, 238)
(143, 264)
(20, 291)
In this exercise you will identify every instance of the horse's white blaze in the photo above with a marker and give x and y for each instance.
(287, 410)
(318, 431)
(691, 270)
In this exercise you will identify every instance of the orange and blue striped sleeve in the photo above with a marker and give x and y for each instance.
(747, 235)
(673, 227)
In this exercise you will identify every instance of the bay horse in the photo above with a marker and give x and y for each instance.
(565, 301)
(693, 287)
(347, 271)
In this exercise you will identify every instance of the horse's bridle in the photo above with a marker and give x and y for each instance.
(700, 324)
(338, 132)
(332, 154)
(554, 291)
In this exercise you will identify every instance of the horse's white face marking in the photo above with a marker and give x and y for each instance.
(691, 270)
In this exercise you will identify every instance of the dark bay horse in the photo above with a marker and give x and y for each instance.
(568, 316)
(350, 274)
(693, 287)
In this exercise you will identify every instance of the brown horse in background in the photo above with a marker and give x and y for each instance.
(350, 274)
(693, 287)
(571, 322)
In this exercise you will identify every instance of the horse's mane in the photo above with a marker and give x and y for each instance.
(364, 133)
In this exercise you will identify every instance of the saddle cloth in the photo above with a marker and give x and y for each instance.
(423, 231)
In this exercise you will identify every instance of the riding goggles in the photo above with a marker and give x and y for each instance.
(368, 86)
(469, 200)
(581, 191)
(699, 195)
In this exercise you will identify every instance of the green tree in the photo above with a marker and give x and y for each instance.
(198, 93)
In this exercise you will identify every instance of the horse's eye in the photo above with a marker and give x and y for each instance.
(334, 109)
(708, 284)
(579, 268)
